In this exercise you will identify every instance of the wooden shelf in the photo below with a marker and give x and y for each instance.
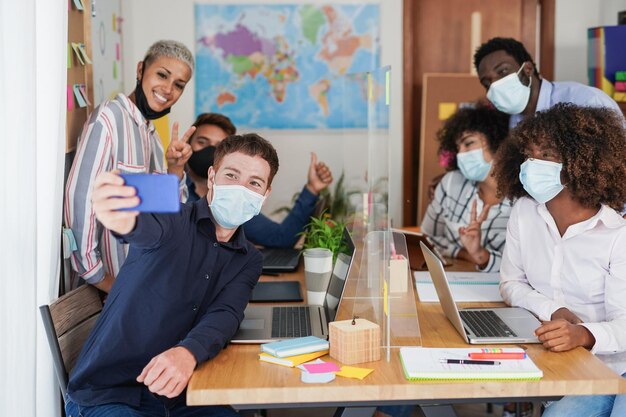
(79, 30)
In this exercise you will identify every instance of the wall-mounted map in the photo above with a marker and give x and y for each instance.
(281, 66)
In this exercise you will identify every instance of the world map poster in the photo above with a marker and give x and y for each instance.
(283, 66)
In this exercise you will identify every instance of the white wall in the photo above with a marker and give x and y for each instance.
(573, 18)
(146, 21)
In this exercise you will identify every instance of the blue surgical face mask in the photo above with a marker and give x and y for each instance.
(473, 165)
(233, 205)
(541, 179)
(509, 95)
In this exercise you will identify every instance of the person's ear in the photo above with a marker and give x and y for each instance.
(211, 177)
(267, 193)
(139, 70)
(529, 69)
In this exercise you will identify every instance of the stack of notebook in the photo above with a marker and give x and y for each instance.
(293, 352)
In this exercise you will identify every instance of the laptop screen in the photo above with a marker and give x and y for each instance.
(339, 276)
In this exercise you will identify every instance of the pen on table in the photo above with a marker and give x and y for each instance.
(469, 362)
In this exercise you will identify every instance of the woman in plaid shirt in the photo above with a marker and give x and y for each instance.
(466, 219)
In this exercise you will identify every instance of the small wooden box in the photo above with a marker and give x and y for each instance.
(354, 343)
(399, 274)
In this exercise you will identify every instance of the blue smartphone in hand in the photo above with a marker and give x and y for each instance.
(158, 193)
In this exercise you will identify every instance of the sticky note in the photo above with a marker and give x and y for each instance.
(321, 368)
(353, 372)
(79, 5)
(79, 96)
(385, 298)
(446, 110)
(70, 98)
(117, 51)
(115, 70)
(301, 367)
(114, 23)
(69, 56)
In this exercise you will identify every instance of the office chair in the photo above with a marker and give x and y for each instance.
(67, 322)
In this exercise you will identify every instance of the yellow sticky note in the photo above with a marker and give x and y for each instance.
(385, 298)
(114, 23)
(162, 126)
(69, 56)
(353, 372)
(446, 110)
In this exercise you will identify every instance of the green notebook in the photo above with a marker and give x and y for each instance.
(421, 363)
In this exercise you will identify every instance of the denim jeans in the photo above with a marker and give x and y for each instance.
(150, 406)
(588, 406)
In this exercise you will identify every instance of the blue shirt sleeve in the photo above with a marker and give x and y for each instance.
(260, 230)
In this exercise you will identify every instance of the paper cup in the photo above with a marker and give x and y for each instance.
(318, 267)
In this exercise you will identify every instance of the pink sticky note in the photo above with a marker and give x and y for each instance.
(319, 368)
(70, 98)
(117, 51)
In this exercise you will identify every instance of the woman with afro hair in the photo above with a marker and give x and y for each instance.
(565, 254)
(466, 219)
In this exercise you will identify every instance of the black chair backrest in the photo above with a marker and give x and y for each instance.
(67, 322)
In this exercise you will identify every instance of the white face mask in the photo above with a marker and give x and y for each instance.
(509, 95)
(233, 205)
(541, 179)
(473, 165)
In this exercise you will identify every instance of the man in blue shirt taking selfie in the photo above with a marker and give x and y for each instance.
(180, 295)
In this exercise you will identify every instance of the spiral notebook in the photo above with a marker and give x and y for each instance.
(420, 363)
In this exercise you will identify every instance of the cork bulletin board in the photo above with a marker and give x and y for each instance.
(442, 95)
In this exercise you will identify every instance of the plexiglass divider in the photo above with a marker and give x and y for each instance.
(368, 292)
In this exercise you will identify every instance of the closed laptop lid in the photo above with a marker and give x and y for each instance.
(280, 259)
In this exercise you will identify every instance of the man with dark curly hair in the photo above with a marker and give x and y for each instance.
(514, 86)
(565, 253)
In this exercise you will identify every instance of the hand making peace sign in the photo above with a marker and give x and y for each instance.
(178, 151)
(470, 235)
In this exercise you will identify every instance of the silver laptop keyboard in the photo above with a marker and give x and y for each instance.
(291, 322)
(486, 323)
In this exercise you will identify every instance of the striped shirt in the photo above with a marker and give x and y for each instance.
(117, 136)
(451, 209)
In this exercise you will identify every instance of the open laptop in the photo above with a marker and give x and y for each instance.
(481, 325)
(262, 324)
(280, 259)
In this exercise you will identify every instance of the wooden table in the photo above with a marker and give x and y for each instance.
(237, 377)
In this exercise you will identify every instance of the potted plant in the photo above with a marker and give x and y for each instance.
(324, 232)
